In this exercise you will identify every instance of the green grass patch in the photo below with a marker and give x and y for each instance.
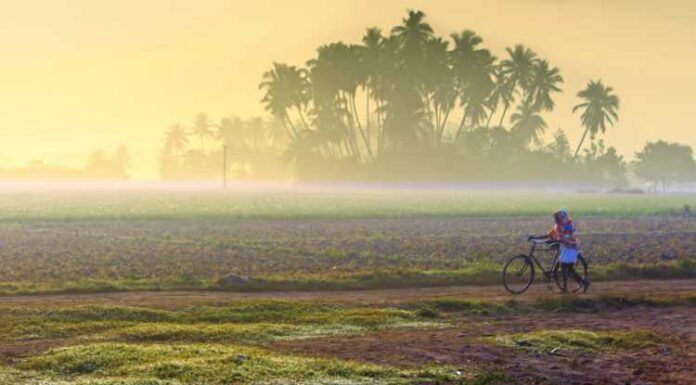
(245, 333)
(433, 308)
(576, 339)
(210, 364)
(245, 321)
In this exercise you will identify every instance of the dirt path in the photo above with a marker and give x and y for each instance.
(670, 288)
(672, 361)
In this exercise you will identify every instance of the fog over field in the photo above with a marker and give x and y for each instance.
(392, 192)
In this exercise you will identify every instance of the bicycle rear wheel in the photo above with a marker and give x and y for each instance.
(573, 285)
(518, 274)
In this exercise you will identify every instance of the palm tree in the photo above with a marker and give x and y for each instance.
(202, 128)
(437, 86)
(503, 92)
(371, 61)
(412, 34)
(387, 75)
(405, 107)
(286, 87)
(473, 68)
(176, 139)
(335, 75)
(231, 131)
(599, 107)
(519, 70)
(527, 124)
(543, 83)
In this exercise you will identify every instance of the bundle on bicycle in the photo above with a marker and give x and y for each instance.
(567, 263)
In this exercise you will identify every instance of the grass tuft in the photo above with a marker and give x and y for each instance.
(212, 364)
(576, 339)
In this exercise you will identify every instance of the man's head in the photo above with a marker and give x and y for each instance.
(560, 216)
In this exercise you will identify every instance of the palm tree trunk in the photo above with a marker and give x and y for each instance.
(490, 116)
(355, 110)
(429, 110)
(581, 141)
(367, 117)
(436, 129)
(443, 126)
(302, 119)
(380, 126)
(289, 127)
(460, 129)
(365, 138)
(349, 124)
(502, 117)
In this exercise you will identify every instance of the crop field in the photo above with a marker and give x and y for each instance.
(322, 286)
(98, 241)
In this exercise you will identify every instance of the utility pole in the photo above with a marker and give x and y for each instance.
(224, 166)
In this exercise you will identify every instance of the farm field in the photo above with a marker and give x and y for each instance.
(336, 287)
(284, 240)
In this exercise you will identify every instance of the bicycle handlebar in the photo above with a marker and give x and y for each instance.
(545, 242)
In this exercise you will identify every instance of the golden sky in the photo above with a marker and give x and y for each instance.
(77, 75)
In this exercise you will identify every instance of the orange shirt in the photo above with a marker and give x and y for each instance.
(564, 232)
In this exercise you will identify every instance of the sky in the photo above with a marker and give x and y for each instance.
(80, 75)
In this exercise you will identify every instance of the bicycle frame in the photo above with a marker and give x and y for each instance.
(554, 264)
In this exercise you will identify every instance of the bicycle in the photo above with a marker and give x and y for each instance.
(519, 271)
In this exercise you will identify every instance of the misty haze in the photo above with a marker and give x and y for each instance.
(358, 192)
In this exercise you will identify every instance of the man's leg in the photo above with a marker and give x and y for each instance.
(577, 277)
(575, 274)
(564, 272)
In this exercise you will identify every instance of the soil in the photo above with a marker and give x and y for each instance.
(672, 361)
(66, 250)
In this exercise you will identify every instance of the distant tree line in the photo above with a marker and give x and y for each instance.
(432, 108)
(411, 105)
(252, 148)
(101, 164)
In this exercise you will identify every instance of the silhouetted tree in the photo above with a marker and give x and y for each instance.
(518, 70)
(474, 68)
(110, 166)
(202, 127)
(382, 104)
(527, 124)
(664, 163)
(286, 88)
(599, 108)
(543, 84)
(175, 139)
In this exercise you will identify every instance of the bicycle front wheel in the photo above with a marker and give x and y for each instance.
(518, 274)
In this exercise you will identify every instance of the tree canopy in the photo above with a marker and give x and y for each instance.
(663, 163)
(409, 104)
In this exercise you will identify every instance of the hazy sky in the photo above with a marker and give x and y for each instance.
(77, 75)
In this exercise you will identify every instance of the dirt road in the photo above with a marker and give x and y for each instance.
(668, 288)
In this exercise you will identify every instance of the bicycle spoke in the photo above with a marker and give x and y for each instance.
(518, 274)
